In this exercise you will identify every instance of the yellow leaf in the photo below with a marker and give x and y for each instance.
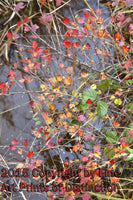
(49, 120)
(93, 86)
(71, 105)
(99, 92)
(94, 119)
(84, 47)
(74, 109)
(43, 87)
(57, 89)
(20, 151)
(114, 166)
(90, 114)
(118, 102)
(69, 114)
(71, 161)
(112, 97)
(36, 178)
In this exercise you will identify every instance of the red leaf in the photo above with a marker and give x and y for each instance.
(25, 143)
(40, 130)
(81, 118)
(86, 196)
(11, 74)
(46, 18)
(74, 33)
(31, 103)
(27, 28)
(96, 147)
(131, 132)
(48, 58)
(58, 2)
(111, 161)
(50, 144)
(89, 101)
(88, 46)
(84, 158)
(12, 147)
(9, 34)
(48, 138)
(46, 133)
(66, 20)
(80, 20)
(15, 141)
(75, 44)
(26, 19)
(30, 154)
(66, 43)
(2, 85)
(18, 24)
(128, 63)
(4, 90)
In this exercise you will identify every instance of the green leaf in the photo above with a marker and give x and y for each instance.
(131, 125)
(109, 153)
(37, 123)
(75, 121)
(130, 150)
(83, 105)
(90, 94)
(104, 85)
(102, 108)
(105, 197)
(130, 108)
(111, 137)
(130, 157)
(36, 118)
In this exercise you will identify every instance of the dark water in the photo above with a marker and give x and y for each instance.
(15, 118)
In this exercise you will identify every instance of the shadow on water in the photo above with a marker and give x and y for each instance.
(16, 120)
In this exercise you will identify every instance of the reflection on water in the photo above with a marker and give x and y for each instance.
(16, 120)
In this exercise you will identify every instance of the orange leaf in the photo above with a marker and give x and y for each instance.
(52, 106)
(68, 80)
(116, 124)
(125, 48)
(115, 179)
(69, 70)
(127, 76)
(34, 44)
(117, 36)
(42, 1)
(59, 78)
(103, 77)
